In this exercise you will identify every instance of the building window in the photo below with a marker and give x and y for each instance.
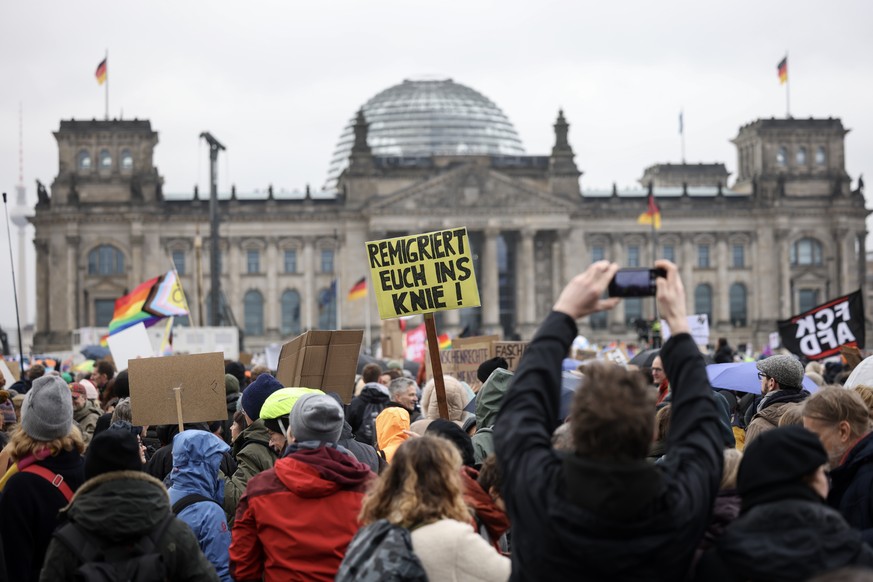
(126, 160)
(253, 261)
(633, 310)
(84, 160)
(737, 296)
(327, 307)
(800, 156)
(633, 256)
(179, 261)
(782, 156)
(805, 252)
(820, 156)
(598, 253)
(703, 300)
(253, 307)
(598, 320)
(105, 260)
(105, 159)
(738, 256)
(703, 256)
(104, 309)
(808, 299)
(326, 261)
(290, 313)
(669, 253)
(290, 261)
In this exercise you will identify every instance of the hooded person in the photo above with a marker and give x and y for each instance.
(251, 449)
(457, 398)
(296, 520)
(392, 425)
(366, 406)
(785, 530)
(46, 449)
(85, 411)
(487, 406)
(118, 506)
(232, 395)
(197, 494)
(160, 464)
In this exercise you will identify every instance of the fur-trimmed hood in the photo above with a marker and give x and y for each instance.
(119, 504)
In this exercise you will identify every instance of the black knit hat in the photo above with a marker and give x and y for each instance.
(114, 449)
(488, 366)
(777, 457)
(451, 431)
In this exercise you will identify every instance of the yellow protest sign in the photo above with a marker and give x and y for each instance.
(423, 273)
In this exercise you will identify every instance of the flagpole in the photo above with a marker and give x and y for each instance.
(787, 92)
(107, 84)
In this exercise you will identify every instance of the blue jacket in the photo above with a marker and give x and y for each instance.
(852, 487)
(196, 457)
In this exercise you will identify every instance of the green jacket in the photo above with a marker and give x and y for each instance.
(126, 505)
(86, 418)
(253, 455)
(487, 406)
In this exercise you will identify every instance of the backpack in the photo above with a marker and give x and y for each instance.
(191, 500)
(381, 551)
(131, 561)
(367, 431)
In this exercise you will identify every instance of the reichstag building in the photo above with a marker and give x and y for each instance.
(784, 234)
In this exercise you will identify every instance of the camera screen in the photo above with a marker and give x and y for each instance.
(634, 281)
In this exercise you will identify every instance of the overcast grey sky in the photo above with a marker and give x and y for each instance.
(276, 81)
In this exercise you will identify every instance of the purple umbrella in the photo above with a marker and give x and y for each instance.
(743, 377)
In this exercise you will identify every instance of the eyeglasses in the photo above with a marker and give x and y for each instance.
(762, 375)
(657, 369)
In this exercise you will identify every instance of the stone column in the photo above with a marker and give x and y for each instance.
(43, 292)
(72, 280)
(527, 287)
(721, 313)
(136, 275)
(490, 283)
(687, 265)
(617, 254)
(230, 283)
(272, 309)
(557, 273)
(785, 290)
(576, 257)
(309, 315)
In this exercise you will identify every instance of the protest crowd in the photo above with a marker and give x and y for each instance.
(642, 473)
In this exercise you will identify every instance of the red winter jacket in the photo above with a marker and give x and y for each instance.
(294, 521)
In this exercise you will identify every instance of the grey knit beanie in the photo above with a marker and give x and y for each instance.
(316, 417)
(47, 410)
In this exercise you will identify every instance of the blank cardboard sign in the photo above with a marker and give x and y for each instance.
(322, 359)
(200, 376)
(130, 344)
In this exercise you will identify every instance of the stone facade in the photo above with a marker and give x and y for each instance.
(789, 232)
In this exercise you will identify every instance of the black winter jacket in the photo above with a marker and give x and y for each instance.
(605, 520)
(29, 507)
(372, 393)
(852, 488)
(786, 539)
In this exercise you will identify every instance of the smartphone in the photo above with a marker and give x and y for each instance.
(635, 282)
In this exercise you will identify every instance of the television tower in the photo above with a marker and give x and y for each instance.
(19, 216)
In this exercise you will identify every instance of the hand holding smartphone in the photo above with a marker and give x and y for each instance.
(635, 282)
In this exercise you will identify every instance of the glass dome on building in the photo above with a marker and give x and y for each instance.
(429, 117)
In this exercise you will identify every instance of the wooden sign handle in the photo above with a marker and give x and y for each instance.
(178, 391)
(433, 347)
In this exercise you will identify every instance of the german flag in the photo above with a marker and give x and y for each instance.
(651, 216)
(359, 290)
(101, 72)
(782, 68)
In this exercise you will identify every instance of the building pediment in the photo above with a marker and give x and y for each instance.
(471, 189)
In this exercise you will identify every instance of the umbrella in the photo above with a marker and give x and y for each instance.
(743, 377)
(94, 352)
(570, 382)
(862, 374)
(645, 358)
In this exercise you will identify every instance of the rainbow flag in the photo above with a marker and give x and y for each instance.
(445, 341)
(782, 69)
(101, 72)
(129, 308)
(358, 290)
(652, 215)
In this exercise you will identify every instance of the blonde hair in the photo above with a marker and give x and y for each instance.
(815, 368)
(835, 404)
(421, 485)
(866, 394)
(22, 444)
(732, 458)
(792, 414)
